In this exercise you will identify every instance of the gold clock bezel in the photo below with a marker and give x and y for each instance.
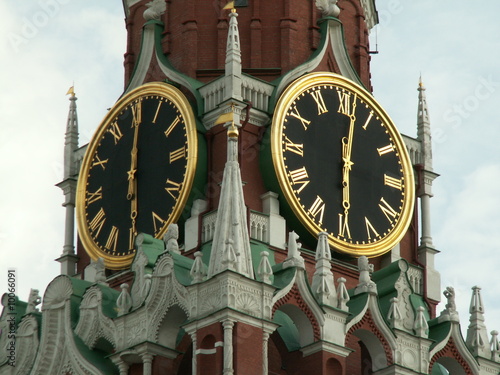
(178, 100)
(285, 101)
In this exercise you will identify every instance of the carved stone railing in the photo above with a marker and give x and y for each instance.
(259, 226)
(414, 148)
(416, 278)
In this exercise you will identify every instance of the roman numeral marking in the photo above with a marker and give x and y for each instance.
(370, 229)
(305, 123)
(172, 126)
(299, 177)
(178, 154)
(344, 227)
(296, 148)
(318, 98)
(112, 239)
(392, 182)
(92, 197)
(157, 111)
(367, 121)
(317, 208)
(385, 150)
(100, 162)
(97, 222)
(115, 131)
(346, 106)
(173, 188)
(387, 210)
(136, 114)
(157, 222)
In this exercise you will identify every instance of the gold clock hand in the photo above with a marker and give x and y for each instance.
(132, 184)
(346, 169)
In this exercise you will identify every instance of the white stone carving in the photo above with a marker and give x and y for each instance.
(293, 259)
(329, 8)
(33, 301)
(155, 9)
(124, 301)
(198, 270)
(365, 283)
(265, 271)
(421, 327)
(342, 294)
(170, 238)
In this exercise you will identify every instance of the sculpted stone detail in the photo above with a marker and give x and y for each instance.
(170, 238)
(155, 9)
(93, 324)
(58, 292)
(33, 301)
(247, 303)
(365, 282)
(328, 8)
(26, 344)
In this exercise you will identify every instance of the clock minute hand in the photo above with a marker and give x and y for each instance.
(346, 157)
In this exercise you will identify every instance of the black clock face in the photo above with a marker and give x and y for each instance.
(342, 165)
(137, 172)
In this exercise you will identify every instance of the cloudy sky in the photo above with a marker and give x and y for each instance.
(49, 44)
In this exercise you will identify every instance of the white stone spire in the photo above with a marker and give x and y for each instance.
(477, 336)
(426, 176)
(71, 137)
(231, 243)
(68, 258)
(424, 127)
(233, 60)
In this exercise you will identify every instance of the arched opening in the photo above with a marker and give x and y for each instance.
(209, 356)
(295, 328)
(368, 356)
(447, 365)
(333, 367)
(170, 332)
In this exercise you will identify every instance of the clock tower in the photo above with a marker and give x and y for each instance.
(248, 207)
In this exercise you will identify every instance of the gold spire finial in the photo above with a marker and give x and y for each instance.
(230, 5)
(71, 91)
(232, 130)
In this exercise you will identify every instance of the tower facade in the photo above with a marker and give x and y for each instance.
(247, 207)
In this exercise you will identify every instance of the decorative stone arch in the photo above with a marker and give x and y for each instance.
(450, 358)
(294, 306)
(170, 326)
(374, 341)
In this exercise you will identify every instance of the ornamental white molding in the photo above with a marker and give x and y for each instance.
(58, 351)
(27, 344)
(93, 324)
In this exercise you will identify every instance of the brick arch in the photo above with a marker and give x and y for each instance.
(451, 351)
(293, 297)
(367, 323)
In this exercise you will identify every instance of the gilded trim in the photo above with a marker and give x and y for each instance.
(289, 95)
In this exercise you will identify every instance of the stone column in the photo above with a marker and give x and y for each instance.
(228, 347)
(265, 359)
(147, 364)
(194, 362)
